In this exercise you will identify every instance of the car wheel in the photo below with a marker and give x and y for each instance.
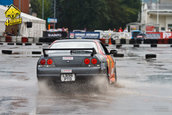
(115, 76)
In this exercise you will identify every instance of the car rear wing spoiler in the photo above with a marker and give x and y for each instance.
(53, 49)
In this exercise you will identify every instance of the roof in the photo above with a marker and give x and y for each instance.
(136, 30)
(161, 12)
(25, 17)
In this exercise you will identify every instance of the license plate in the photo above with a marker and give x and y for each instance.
(67, 77)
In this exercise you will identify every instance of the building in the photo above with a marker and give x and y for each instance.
(30, 27)
(156, 15)
(23, 5)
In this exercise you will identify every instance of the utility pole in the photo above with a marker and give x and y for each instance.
(42, 9)
(158, 14)
(20, 5)
(19, 26)
(54, 12)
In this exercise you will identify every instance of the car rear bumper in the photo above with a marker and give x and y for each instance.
(81, 73)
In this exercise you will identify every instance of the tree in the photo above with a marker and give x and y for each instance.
(79, 14)
(36, 6)
(90, 14)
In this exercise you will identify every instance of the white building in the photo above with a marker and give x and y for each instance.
(36, 30)
(158, 14)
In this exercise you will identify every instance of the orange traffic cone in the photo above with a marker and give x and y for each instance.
(110, 42)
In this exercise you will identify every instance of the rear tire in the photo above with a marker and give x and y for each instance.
(115, 76)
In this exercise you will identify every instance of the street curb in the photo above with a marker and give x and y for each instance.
(118, 46)
(7, 51)
(28, 44)
(154, 45)
(136, 45)
(38, 43)
(10, 43)
(118, 55)
(36, 52)
(148, 56)
(19, 44)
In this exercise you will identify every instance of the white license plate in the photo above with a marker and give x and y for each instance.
(67, 77)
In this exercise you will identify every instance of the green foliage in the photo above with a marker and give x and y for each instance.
(90, 14)
(37, 8)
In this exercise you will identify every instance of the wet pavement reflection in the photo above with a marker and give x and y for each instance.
(144, 87)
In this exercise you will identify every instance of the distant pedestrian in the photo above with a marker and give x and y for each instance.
(125, 30)
(63, 29)
(85, 29)
(67, 30)
(120, 29)
(114, 30)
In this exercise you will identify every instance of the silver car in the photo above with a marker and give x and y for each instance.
(76, 60)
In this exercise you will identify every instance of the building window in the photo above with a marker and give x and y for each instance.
(162, 28)
(169, 27)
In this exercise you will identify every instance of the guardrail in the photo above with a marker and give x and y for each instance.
(18, 39)
(112, 38)
(161, 6)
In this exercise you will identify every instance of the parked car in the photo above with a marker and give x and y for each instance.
(141, 36)
(134, 33)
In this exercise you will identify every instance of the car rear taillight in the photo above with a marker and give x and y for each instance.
(87, 61)
(49, 61)
(42, 62)
(94, 61)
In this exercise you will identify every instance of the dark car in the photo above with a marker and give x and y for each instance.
(134, 33)
(141, 36)
(75, 60)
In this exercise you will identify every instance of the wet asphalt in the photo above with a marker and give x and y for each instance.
(144, 86)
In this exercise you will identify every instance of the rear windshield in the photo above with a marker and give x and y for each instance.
(141, 34)
(74, 45)
(68, 45)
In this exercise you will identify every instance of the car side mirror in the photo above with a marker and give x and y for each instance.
(113, 52)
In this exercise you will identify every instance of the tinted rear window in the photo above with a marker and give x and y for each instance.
(135, 34)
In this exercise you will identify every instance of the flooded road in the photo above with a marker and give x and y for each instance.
(144, 86)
